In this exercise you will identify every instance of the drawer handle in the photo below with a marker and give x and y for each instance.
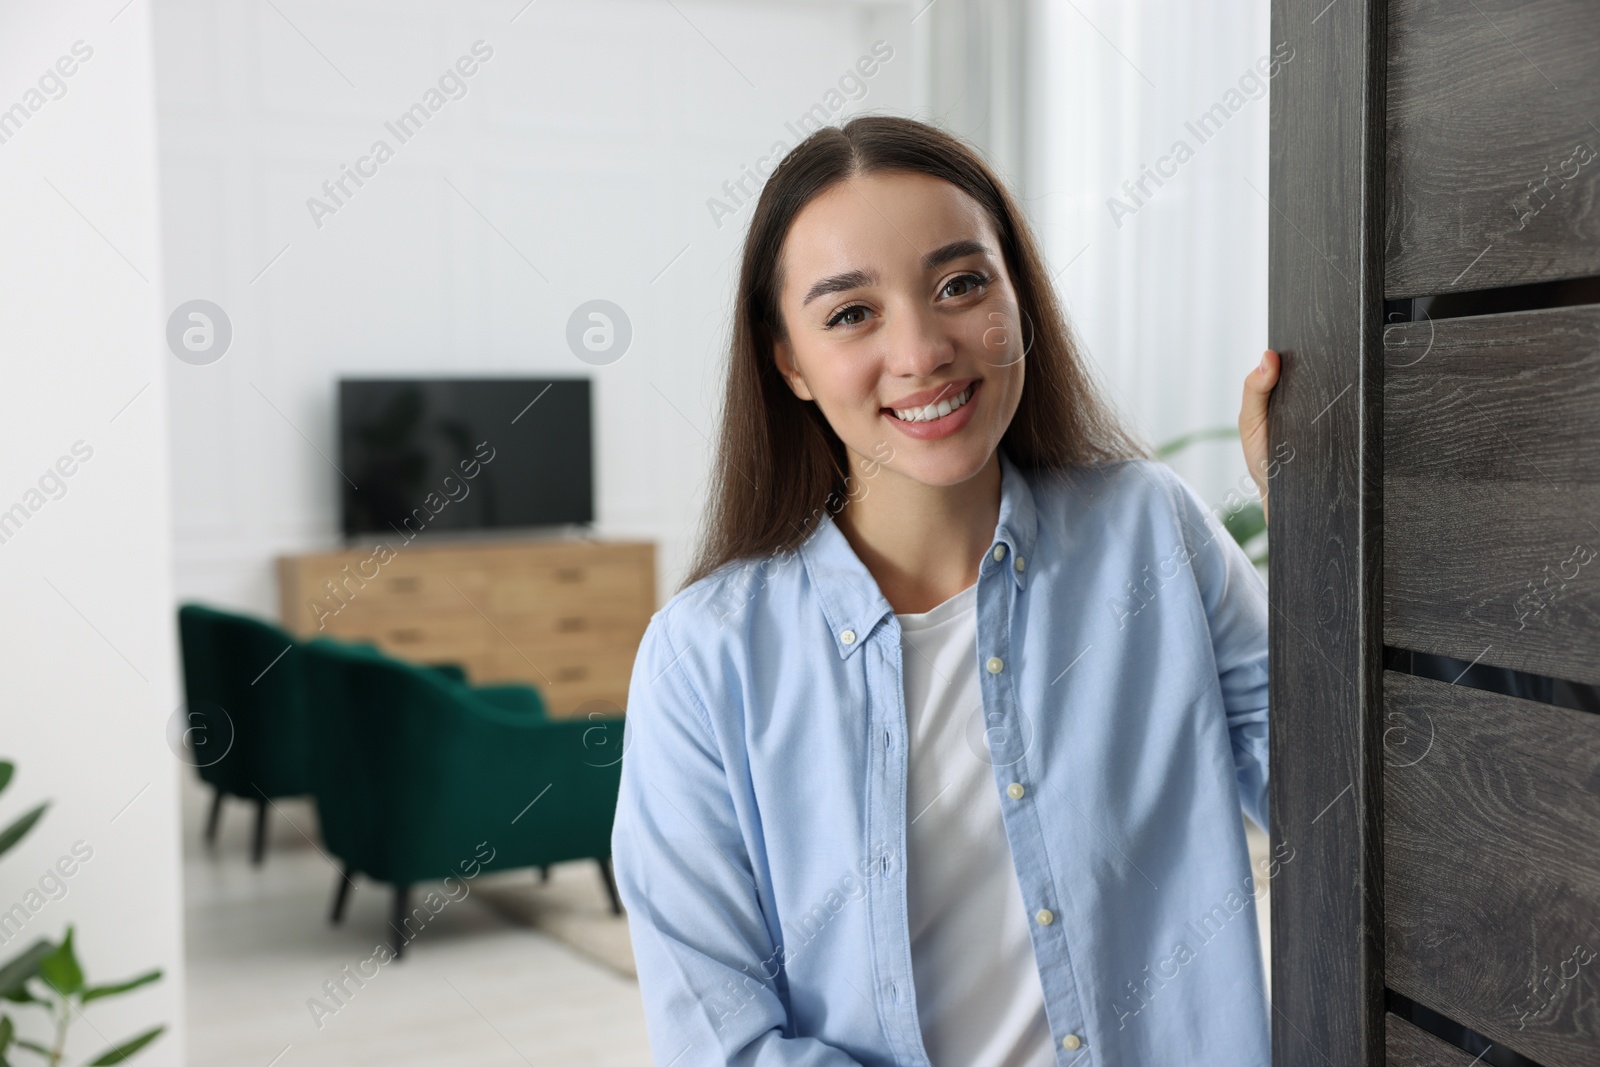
(571, 624)
(572, 674)
(403, 585)
(408, 636)
(569, 574)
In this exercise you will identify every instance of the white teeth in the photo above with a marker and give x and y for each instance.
(930, 412)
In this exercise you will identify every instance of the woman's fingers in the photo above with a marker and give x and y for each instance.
(1253, 419)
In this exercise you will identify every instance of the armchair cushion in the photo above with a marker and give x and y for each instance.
(523, 699)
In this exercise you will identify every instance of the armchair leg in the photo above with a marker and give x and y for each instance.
(341, 896)
(214, 819)
(397, 921)
(544, 875)
(611, 885)
(259, 848)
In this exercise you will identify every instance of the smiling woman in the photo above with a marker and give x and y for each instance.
(924, 687)
(804, 298)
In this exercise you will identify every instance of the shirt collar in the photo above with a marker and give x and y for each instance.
(849, 595)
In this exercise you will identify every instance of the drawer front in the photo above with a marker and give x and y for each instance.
(566, 653)
(586, 587)
(359, 583)
(573, 681)
(569, 588)
(423, 638)
(598, 625)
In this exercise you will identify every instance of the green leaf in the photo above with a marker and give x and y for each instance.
(121, 1052)
(19, 969)
(1246, 524)
(15, 832)
(1178, 444)
(23, 995)
(7, 769)
(34, 1046)
(60, 969)
(120, 987)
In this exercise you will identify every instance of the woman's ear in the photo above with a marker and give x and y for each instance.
(784, 356)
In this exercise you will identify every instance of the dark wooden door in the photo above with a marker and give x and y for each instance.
(1435, 571)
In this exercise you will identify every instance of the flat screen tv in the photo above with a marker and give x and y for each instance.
(464, 454)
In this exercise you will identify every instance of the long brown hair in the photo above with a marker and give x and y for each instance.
(778, 461)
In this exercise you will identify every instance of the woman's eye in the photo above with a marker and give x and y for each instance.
(847, 316)
(969, 282)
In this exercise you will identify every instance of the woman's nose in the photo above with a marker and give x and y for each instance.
(918, 343)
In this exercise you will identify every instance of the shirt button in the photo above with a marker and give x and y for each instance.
(999, 552)
(995, 665)
(1070, 1042)
(1045, 916)
(1019, 563)
(1015, 790)
(848, 637)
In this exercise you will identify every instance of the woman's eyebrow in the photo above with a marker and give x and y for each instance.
(838, 283)
(855, 279)
(954, 250)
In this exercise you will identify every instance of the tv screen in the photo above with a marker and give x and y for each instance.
(464, 454)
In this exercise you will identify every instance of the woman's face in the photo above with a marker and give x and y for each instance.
(898, 307)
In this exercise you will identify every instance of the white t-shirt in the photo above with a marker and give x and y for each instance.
(979, 1001)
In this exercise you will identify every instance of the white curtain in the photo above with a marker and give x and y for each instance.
(1079, 102)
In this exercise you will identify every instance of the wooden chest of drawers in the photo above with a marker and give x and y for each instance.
(565, 616)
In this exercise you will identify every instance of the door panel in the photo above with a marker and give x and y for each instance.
(1491, 870)
(1411, 1046)
(1492, 490)
(1493, 155)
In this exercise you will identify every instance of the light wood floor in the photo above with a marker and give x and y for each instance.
(473, 988)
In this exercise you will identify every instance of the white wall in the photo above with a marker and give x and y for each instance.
(87, 631)
(591, 141)
(1171, 303)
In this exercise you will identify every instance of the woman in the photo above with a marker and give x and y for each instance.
(939, 755)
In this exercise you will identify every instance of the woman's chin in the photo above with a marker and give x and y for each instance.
(942, 464)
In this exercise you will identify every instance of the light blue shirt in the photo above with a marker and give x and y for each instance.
(761, 827)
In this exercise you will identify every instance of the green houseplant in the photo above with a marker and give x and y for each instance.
(1241, 516)
(48, 976)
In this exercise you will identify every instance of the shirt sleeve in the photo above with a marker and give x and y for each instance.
(708, 966)
(1235, 601)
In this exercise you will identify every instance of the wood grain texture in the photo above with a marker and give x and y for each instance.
(1492, 865)
(1324, 317)
(1492, 490)
(1493, 153)
(1408, 1045)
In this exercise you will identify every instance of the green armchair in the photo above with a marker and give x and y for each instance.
(420, 778)
(247, 724)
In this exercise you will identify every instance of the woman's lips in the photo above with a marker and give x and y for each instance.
(943, 426)
(932, 396)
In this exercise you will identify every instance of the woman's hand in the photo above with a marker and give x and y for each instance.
(1253, 420)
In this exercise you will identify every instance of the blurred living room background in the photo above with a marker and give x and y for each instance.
(259, 368)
